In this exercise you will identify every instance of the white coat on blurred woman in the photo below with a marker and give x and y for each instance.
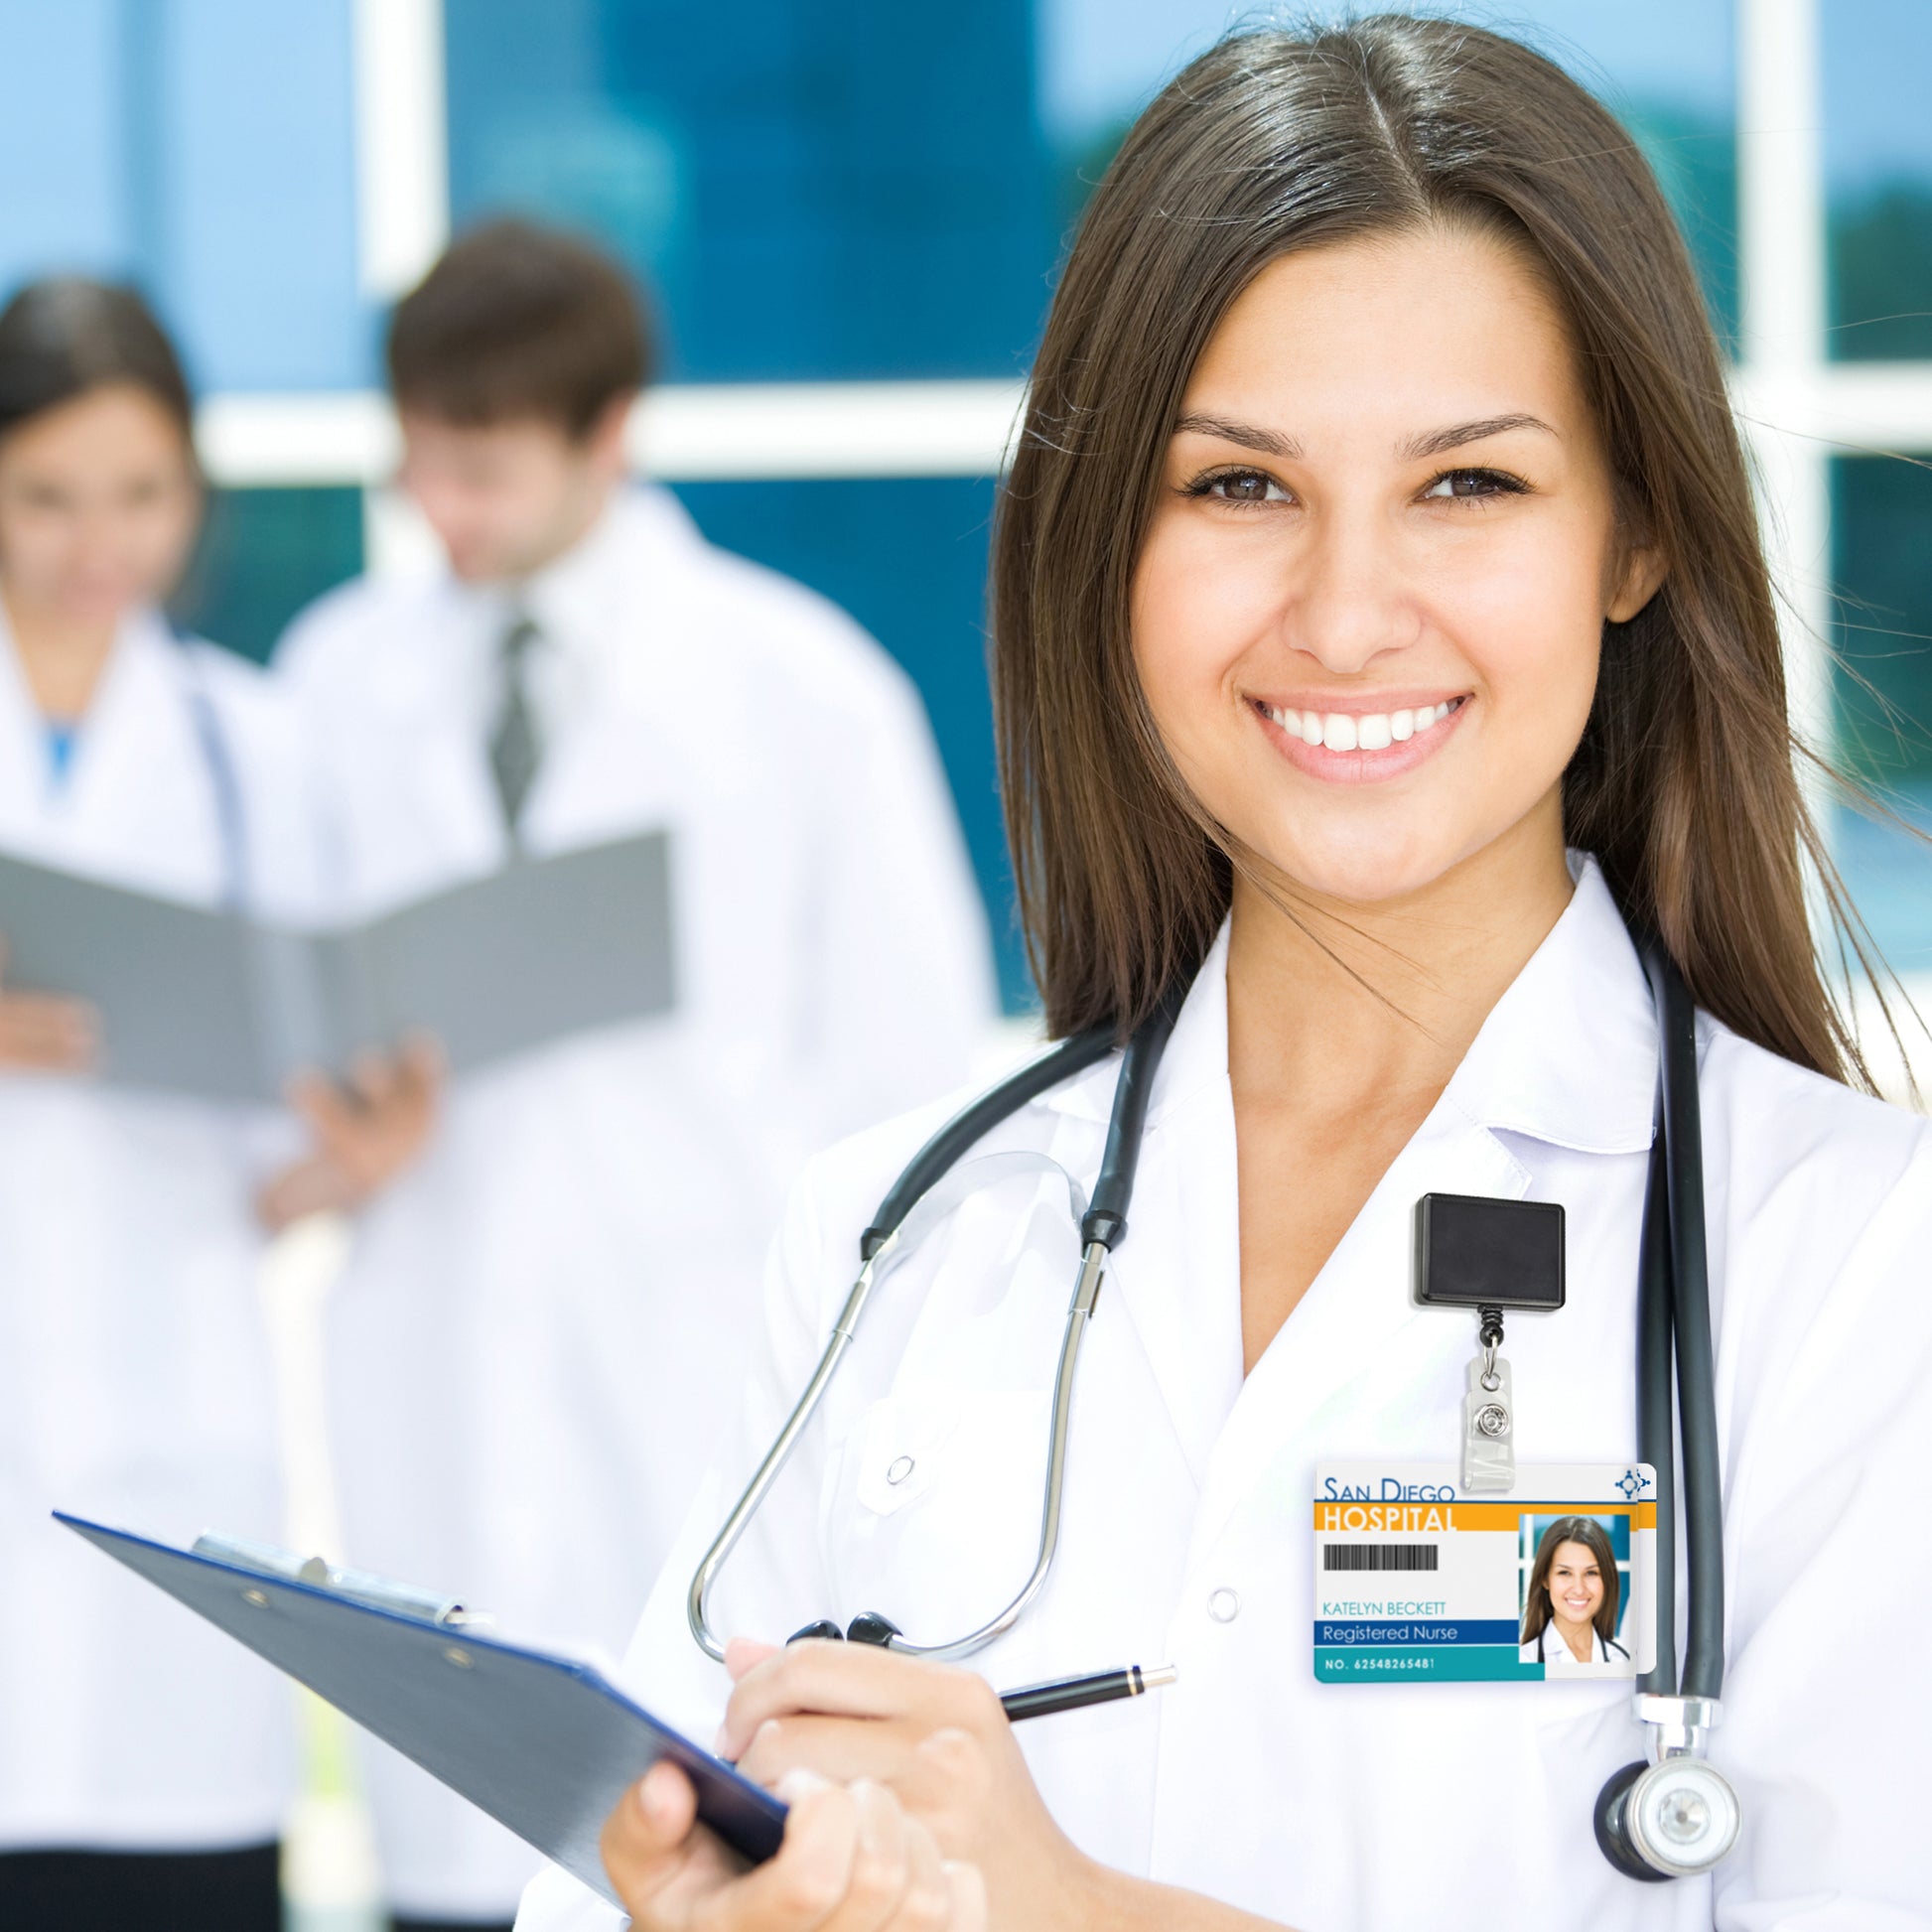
(134, 1373)
(541, 1330)
(145, 1760)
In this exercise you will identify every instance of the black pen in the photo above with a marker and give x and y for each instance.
(1070, 1693)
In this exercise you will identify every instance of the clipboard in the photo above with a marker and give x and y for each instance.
(544, 1744)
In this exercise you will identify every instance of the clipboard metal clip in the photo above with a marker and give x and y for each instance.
(358, 1585)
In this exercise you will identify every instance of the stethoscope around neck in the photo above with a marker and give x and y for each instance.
(1666, 1816)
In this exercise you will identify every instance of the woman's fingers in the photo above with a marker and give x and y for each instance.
(47, 1033)
(885, 1856)
(44, 1034)
(835, 1748)
(853, 1680)
(800, 1889)
(742, 1654)
(965, 1897)
(852, 1861)
(660, 1862)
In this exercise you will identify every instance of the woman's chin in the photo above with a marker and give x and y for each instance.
(1375, 876)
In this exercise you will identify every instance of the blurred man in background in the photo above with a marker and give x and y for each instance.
(541, 1327)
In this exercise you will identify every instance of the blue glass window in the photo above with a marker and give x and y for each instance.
(204, 149)
(1881, 509)
(815, 188)
(1878, 178)
(1666, 67)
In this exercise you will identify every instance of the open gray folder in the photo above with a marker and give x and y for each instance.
(544, 1744)
(218, 1005)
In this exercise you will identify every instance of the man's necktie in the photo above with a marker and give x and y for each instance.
(516, 750)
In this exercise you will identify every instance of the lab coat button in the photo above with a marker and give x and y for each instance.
(1223, 1605)
(901, 1468)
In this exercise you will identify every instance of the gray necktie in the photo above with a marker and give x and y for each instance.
(515, 749)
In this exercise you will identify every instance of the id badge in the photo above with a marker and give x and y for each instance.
(1416, 1583)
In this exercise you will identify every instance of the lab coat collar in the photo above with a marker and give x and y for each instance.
(137, 713)
(1568, 1055)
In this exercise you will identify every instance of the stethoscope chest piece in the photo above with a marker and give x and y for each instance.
(1672, 1819)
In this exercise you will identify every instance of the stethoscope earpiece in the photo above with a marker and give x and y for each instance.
(1671, 1820)
(867, 1628)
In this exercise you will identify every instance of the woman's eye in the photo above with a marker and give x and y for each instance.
(1455, 484)
(1240, 487)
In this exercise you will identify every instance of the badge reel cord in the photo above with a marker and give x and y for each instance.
(1672, 1816)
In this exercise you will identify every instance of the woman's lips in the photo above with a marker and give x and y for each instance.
(1360, 746)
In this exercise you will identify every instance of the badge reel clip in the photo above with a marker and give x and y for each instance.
(1473, 1252)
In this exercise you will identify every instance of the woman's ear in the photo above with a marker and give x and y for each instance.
(1640, 577)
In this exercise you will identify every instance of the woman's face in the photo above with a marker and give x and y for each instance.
(98, 505)
(1575, 1584)
(1368, 612)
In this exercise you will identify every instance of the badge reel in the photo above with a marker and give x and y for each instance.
(1488, 1256)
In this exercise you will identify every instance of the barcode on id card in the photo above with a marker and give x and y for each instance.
(1378, 1556)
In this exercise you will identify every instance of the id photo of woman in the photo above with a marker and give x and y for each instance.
(1570, 1611)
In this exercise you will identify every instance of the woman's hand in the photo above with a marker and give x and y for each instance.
(40, 1033)
(852, 1861)
(936, 1737)
(366, 1133)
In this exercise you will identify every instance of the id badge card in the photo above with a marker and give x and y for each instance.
(1416, 1583)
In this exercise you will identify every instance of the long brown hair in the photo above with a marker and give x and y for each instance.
(1588, 1531)
(1684, 783)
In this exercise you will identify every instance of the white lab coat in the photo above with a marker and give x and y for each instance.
(134, 1373)
(1399, 1806)
(543, 1327)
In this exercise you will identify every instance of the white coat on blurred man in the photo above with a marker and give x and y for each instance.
(544, 1326)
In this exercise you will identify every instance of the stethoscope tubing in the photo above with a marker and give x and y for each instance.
(936, 1159)
(1673, 1348)
(1673, 1322)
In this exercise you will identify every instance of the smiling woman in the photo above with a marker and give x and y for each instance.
(1396, 262)
(1381, 645)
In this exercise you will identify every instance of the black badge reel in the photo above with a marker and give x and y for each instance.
(1473, 1252)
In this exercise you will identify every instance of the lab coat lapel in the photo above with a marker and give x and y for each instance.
(1177, 1275)
(138, 803)
(1178, 1270)
(141, 775)
(1568, 1056)
(1324, 1386)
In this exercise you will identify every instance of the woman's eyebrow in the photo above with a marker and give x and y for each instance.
(1437, 442)
(1266, 440)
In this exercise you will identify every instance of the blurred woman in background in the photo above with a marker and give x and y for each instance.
(144, 1760)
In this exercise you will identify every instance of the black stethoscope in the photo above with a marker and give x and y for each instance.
(1670, 1815)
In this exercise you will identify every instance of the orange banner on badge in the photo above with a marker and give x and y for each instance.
(1436, 1519)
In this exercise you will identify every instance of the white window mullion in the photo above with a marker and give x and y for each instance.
(1781, 266)
(402, 168)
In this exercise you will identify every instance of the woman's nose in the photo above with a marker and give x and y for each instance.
(1348, 602)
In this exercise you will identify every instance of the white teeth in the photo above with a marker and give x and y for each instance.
(1342, 731)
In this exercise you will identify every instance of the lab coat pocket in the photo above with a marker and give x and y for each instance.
(934, 1513)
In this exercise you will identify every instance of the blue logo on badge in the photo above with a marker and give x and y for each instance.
(1632, 1484)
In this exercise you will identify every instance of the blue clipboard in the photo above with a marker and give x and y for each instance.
(545, 1744)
